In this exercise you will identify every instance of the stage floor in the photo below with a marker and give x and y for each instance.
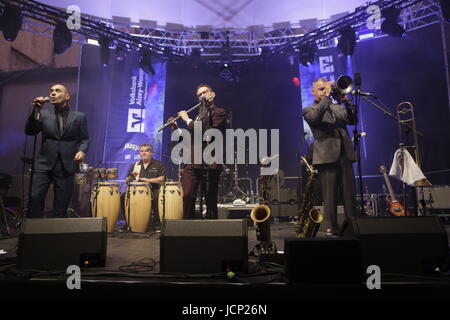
(132, 272)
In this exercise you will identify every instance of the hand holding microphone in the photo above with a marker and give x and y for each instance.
(37, 104)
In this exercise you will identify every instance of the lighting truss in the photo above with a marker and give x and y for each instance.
(245, 44)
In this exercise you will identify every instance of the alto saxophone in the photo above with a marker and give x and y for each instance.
(309, 218)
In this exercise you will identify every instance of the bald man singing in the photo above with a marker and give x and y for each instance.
(64, 144)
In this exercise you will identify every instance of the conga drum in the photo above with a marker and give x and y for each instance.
(82, 178)
(138, 206)
(112, 173)
(173, 201)
(105, 202)
(99, 174)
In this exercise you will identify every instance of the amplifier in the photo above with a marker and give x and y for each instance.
(435, 197)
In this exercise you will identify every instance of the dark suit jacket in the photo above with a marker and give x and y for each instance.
(67, 144)
(328, 123)
(218, 117)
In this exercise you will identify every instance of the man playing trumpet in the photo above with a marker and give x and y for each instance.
(333, 152)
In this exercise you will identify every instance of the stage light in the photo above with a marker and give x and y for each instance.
(226, 72)
(196, 57)
(62, 38)
(445, 8)
(121, 54)
(307, 54)
(145, 63)
(104, 50)
(390, 25)
(196, 53)
(347, 41)
(11, 21)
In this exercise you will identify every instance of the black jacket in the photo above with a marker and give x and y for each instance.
(74, 138)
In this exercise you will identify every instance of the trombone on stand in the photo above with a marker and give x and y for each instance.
(406, 124)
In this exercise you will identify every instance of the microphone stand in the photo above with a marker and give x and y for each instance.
(36, 113)
(30, 187)
(209, 210)
(357, 148)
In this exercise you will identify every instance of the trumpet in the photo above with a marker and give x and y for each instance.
(178, 117)
(343, 85)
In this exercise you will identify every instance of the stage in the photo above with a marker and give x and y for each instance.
(132, 272)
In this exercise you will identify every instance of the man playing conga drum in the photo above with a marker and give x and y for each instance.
(151, 171)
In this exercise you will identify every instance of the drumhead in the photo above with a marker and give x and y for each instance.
(107, 184)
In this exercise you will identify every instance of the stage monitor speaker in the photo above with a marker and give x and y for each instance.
(204, 246)
(323, 260)
(55, 244)
(406, 245)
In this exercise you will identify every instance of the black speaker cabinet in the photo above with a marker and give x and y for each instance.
(406, 245)
(323, 260)
(204, 246)
(54, 244)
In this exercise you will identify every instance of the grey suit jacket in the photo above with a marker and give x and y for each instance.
(328, 123)
(74, 138)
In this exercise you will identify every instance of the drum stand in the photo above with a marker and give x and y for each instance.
(127, 221)
(163, 222)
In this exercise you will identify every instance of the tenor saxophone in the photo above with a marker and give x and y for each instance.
(260, 215)
(309, 218)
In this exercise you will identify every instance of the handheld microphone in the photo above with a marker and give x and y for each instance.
(37, 112)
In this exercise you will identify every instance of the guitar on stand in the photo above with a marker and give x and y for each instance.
(395, 207)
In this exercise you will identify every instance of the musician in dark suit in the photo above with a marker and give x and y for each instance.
(210, 116)
(64, 145)
(333, 152)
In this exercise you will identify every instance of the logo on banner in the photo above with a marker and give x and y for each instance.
(136, 119)
(326, 64)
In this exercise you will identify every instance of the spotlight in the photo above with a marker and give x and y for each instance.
(62, 38)
(226, 72)
(104, 50)
(145, 62)
(121, 53)
(390, 25)
(307, 54)
(11, 21)
(347, 41)
(445, 8)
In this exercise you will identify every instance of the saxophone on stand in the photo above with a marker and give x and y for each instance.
(309, 218)
(260, 216)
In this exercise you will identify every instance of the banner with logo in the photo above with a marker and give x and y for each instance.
(135, 112)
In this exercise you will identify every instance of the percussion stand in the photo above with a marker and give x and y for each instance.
(163, 222)
(128, 198)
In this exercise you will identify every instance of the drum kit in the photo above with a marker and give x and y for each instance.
(105, 198)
